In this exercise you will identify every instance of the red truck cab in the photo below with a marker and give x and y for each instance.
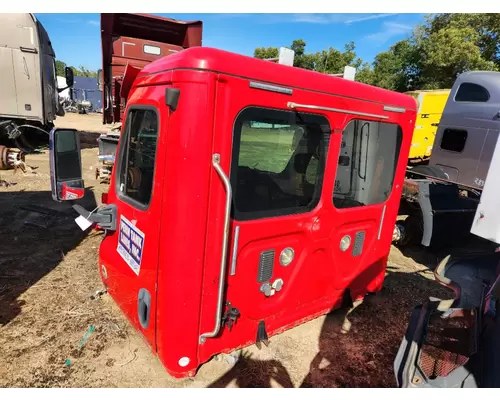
(248, 197)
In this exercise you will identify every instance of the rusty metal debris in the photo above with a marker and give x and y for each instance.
(4, 183)
(98, 294)
(11, 158)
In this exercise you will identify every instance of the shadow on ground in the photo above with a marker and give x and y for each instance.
(36, 233)
(88, 140)
(430, 258)
(357, 344)
(250, 372)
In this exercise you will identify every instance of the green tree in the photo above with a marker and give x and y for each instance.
(60, 68)
(365, 74)
(330, 61)
(486, 25)
(266, 52)
(83, 71)
(398, 68)
(452, 44)
(439, 49)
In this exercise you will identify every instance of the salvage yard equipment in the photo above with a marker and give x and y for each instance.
(29, 100)
(456, 343)
(430, 104)
(441, 198)
(128, 43)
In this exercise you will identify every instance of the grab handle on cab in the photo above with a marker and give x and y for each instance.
(222, 273)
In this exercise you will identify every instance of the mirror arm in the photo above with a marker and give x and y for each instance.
(104, 216)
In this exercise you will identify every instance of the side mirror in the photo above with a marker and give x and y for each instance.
(99, 80)
(70, 79)
(65, 165)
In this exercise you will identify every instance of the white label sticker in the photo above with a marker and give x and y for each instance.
(130, 244)
(479, 182)
(71, 196)
(83, 223)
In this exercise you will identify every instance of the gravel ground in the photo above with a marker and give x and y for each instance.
(48, 273)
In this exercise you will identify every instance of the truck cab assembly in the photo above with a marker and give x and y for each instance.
(247, 194)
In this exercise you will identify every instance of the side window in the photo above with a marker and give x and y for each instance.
(150, 49)
(367, 163)
(454, 140)
(138, 157)
(471, 92)
(278, 162)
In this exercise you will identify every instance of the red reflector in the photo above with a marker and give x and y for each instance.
(104, 198)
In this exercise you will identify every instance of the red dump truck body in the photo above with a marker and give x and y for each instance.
(137, 40)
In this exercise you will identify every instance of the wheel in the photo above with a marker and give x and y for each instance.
(410, 231)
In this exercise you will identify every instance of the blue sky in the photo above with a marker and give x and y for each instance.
(76, 37)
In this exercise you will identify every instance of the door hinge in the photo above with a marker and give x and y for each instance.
(230, 316)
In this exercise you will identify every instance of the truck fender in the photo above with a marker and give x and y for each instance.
(424, 201)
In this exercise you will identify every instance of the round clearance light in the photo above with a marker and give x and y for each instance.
(345, 243)
(184, 361)
(286, 256)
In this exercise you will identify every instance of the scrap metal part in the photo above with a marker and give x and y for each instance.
(11, 158)
(456, 342)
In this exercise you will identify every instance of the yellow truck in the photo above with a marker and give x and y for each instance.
(430, 108)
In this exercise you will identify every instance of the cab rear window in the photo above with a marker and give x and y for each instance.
(278, 162)
(367, 163)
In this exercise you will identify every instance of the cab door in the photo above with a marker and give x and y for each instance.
(366, 201)
(284, 262)
(274, 160)
(129, 255)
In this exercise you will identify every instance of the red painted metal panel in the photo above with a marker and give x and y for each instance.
(123, 41)
(186, 216)
(209, 59)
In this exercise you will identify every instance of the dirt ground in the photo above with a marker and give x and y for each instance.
(48, 275)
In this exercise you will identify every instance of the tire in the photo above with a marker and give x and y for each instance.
(413, 232)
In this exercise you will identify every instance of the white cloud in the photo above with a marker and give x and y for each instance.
(311, 18)
(93, 22)
(67, 20)
(337, 18)
(390, 30)
(368, 17)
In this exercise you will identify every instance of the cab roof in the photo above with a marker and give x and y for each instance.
(221, 61)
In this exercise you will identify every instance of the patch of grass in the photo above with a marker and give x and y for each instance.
(265, 149)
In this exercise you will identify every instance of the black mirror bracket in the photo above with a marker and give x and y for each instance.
(104, 216)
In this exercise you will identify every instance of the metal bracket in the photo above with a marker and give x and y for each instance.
(339, 110)
(105, 216)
